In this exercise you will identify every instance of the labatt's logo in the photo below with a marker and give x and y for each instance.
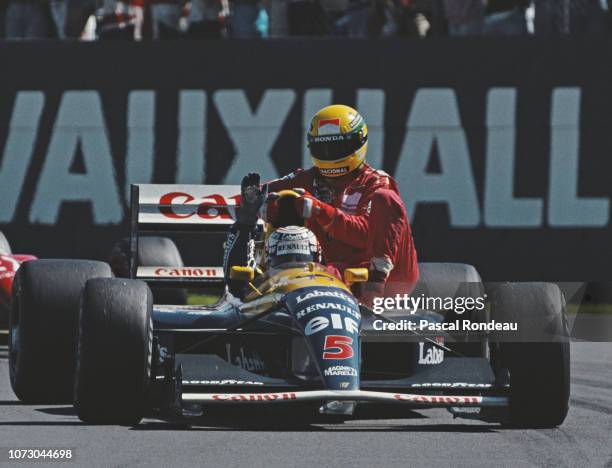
(318, 293)
(250, 361)
(431, 356)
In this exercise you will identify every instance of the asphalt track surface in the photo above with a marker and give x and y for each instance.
(400, 438)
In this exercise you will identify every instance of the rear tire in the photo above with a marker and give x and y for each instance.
(5, 247)
(115, 342)
(152, 251)
(455, 280)
(452, 280)
(538, 365)
(42, 328)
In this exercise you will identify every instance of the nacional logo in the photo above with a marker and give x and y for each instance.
(334, 170)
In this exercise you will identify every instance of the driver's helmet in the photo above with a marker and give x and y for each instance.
(338, 140)
(291, 244)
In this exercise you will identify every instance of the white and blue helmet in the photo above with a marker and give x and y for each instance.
(292, 244)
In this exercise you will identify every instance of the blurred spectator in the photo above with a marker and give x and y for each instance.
(245, 14)
(77, 15)
(262, 23)
(506, 18)
(587, 16)
(552, 17)
(333, 10)
(279, 21)
(27, 19)
(382, 20)
(421, 18)
(58, 12)
(309, 17)
(207, 18)
(465, 17)
(166, 18)
(116, 20)
(355, 21)
(2, 19)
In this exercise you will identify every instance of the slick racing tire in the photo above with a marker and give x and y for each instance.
(452, 280)
(115, 341)
(5, 247)
(457, 281)
(42, 327)
(537, 362)
(152, 251)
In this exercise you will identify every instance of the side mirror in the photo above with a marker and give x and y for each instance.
(355, 275)
(242, 273)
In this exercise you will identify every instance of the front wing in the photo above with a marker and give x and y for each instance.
(415, 400)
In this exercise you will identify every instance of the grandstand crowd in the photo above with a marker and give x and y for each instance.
(197, 19)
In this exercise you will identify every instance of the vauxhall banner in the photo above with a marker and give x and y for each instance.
(501, 148)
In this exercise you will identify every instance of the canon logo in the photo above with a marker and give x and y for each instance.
(433, 399)
(186, 272)
(254, 397)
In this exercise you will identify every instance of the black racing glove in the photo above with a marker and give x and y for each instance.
(252, 197)
(373, 288)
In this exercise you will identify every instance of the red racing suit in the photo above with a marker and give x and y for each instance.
(369, 229)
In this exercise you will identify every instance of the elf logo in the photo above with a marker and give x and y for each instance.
(317, 324)
(431, 355)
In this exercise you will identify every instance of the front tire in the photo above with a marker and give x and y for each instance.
(115, 342)
(42, 328)
(538, 361)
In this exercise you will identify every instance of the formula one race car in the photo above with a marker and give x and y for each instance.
(9, 264)
(300, 339)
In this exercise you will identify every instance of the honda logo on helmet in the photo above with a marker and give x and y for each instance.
(325, 139)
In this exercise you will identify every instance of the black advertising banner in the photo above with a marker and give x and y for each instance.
(501, 147)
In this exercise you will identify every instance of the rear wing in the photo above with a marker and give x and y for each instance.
(198, 209)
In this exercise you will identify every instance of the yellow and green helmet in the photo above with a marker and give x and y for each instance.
(338, 140)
